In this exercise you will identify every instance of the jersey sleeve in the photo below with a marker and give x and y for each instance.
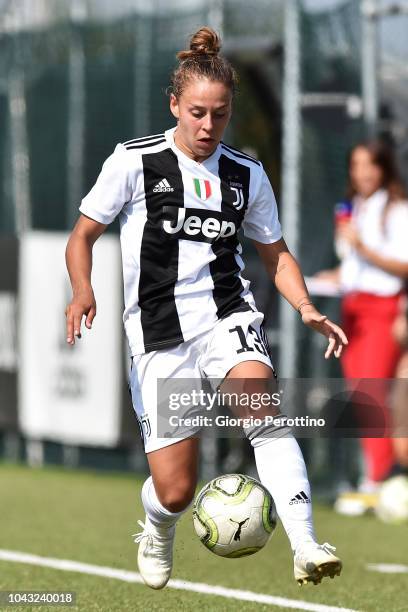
(261, 220)
(112, 189)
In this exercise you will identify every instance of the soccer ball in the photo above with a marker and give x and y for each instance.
(234, 516)
(393, 500)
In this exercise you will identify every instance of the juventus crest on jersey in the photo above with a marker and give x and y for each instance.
(179, 221)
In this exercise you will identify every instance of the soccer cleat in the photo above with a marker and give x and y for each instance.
(155, 555)
(313, 561)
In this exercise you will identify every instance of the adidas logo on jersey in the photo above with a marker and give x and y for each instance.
(163, 187)
(196, 224)
(300, 498)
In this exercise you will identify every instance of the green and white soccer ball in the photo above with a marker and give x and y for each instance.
(393, 500)
(234, 515)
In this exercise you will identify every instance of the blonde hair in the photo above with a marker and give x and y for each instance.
(202, 60)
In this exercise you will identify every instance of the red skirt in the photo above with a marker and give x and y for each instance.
(372, 353)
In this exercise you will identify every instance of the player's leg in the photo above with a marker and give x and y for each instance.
(279, 460)
(168, 491)
(282, 470)
(173, 477)
(166, 495)
(239, 356)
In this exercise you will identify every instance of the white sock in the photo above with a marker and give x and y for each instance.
(282, 471)
(157, 513)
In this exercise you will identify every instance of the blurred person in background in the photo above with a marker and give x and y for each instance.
(392, 506)
(399, 397)
(371, 233)
(182, 196)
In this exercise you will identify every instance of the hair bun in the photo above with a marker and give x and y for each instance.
(205, 42)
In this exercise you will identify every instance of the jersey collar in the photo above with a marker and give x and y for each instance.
(169, 135)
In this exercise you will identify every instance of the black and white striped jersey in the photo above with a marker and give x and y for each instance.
(179, 221)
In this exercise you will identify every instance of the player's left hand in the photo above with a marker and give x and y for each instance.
(320, 323)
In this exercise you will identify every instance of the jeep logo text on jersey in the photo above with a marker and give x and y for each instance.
(197, 224)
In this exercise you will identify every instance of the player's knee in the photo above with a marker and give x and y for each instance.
(177, 497)
(268, 430)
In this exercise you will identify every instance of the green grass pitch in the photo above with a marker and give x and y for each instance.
(89, 517)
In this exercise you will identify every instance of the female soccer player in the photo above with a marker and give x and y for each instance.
(181, 197)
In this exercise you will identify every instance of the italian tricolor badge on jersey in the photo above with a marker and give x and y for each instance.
(202, 188)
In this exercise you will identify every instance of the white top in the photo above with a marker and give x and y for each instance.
(178, 223)
(388, 240)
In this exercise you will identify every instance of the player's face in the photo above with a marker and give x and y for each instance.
(366, 176)
(203, 111)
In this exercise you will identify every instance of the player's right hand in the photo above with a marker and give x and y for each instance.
(83, 304)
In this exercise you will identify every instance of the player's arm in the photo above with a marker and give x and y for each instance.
(285, 272)
(78, 257)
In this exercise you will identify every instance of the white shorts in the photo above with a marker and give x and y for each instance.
(237, 338)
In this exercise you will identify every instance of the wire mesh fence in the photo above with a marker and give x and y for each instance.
(78, 77)
(393, 73)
